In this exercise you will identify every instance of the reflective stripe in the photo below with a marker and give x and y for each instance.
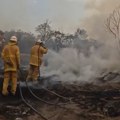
(10, 69)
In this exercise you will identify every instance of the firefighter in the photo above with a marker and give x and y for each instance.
(11, 58)
(36, 55)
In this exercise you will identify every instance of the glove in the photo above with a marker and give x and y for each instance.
(43, 45)
(9, 63)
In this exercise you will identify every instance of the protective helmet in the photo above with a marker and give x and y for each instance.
(39, 41)
(13, 38)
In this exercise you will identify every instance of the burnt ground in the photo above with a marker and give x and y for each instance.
(88, 101)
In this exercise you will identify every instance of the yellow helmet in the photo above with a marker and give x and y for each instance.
(13, 38)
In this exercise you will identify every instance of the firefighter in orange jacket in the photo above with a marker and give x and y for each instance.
(36, 55)
(11, 58)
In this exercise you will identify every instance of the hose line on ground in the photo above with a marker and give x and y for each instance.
(23, 99)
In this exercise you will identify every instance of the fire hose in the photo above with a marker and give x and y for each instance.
(30, 106)
(23, 99)
(60, 96)
(37, 96)
(44, 89)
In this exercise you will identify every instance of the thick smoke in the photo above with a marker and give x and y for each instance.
(71, 65)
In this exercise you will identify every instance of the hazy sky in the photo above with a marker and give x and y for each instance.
(64, 15)
(27, 14)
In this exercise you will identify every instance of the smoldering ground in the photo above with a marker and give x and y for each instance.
(71, 65)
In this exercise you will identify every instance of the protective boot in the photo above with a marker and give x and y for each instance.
(5, 86)
(13, 83)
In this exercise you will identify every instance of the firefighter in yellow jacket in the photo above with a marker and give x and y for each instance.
(11, 58)
(36, 55)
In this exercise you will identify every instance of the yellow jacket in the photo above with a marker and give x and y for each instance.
(11, 57)
(37, 52)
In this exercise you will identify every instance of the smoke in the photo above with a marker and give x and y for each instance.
(96, 14)
(73, 66)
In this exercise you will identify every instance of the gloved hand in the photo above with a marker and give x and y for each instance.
(43, 45)
(9, 63)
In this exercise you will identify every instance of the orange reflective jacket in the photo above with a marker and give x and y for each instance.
(37, 52)
(11, 57)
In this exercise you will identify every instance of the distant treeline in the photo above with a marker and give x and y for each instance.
(54, 40)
